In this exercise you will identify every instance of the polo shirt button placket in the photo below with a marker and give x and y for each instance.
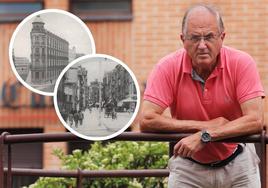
(206, 96)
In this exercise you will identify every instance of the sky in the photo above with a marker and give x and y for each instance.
(96, 67)
(60, 24)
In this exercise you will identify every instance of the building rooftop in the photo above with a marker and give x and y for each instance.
(38, 19)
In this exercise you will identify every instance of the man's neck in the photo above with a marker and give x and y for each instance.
(203, 73)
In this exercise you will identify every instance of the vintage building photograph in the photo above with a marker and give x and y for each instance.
(97, 97)
(44, 43)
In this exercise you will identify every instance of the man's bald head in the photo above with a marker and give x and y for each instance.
(205, 8)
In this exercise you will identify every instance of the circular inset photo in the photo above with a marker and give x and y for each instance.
(97, 97)
(43, 44)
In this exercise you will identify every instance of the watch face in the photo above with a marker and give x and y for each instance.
(205, 137)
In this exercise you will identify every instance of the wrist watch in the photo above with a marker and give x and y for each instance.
(205, 136)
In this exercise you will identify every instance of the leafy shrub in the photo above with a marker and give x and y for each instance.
(112, 156)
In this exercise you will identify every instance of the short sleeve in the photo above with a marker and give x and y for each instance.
(159, 87)
(248, 80)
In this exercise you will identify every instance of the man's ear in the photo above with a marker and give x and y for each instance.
(223, 35)
(182, 38)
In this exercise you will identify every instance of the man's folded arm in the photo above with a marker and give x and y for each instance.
(251, 122)
(153, 120)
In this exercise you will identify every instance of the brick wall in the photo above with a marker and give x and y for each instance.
(157, 25)
(154, 32)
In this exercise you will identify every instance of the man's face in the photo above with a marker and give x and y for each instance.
(202, 39)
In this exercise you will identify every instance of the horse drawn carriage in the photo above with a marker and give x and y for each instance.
(110, 111)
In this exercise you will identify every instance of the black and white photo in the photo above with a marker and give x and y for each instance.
(44, 44)
(97, 97)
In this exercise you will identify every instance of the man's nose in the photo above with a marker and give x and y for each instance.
(202, 44)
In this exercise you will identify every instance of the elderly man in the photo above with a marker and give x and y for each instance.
(213, 91)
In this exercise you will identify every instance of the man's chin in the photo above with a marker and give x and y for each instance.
(204, 63)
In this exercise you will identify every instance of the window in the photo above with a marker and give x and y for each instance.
(43, 39)
(102, 10)
(24, 155)
(17, 10)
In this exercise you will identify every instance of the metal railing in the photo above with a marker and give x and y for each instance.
(9, 172)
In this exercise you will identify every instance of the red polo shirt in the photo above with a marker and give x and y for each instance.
(233, 81)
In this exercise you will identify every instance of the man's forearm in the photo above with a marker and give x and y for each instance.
(250, 123)
(245, 125)
(159, 123)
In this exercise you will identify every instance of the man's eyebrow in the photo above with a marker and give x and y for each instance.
(210, 33)
(198, 34)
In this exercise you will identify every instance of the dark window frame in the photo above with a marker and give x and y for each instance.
(100, 15)
(19, 17)
(19, 181)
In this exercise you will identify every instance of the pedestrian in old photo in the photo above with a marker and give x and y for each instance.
(81, 117)
(71, 118)
(76, 118)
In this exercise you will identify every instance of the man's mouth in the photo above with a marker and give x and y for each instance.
(203, 54)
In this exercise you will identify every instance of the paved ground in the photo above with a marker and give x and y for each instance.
(46, 87)
(95, 124)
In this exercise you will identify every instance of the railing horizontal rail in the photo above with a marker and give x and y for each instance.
(8, 139)
(130, 136)
(90, 173)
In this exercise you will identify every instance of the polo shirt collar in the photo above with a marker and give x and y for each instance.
(187, 63)
(196, 77)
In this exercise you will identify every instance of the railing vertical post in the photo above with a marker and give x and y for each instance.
(1, 161)
(79, 179)
(9, 175)
(171, 147)
(263, 159)
(2, 149)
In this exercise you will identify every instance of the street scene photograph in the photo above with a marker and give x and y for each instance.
(45, 44)
(96, 97)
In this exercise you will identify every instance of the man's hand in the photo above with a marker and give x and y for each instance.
(186, 147)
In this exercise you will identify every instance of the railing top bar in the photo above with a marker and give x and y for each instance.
(90, 173)
(130, 136)
(40, 137)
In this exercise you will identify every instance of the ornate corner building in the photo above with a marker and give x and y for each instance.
(49, 54)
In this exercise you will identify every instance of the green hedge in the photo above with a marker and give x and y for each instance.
(112, 156)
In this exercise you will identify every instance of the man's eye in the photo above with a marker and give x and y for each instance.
(196, 38)
(209, 37)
